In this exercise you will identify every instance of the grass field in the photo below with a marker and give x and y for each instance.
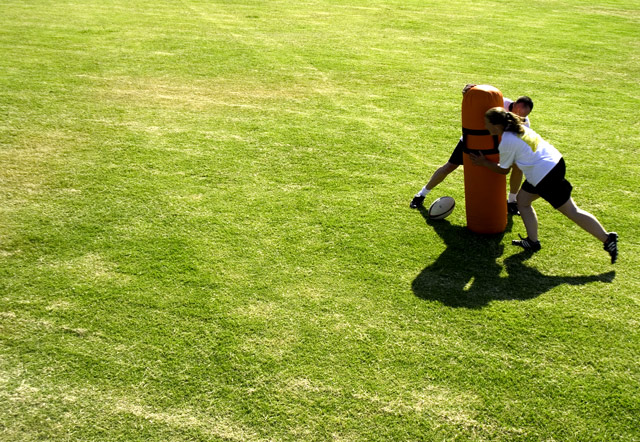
(205, 232)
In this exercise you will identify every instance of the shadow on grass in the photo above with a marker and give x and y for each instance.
(467, 273)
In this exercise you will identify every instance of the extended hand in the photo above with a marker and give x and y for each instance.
(467, 87)
(478, 159)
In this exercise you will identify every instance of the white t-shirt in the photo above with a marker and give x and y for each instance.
(533, 155)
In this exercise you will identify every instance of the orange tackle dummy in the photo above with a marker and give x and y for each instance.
(484, 190)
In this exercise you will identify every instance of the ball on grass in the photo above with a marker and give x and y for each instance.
(442, 207)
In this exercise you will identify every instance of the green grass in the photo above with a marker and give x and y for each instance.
(205, 232)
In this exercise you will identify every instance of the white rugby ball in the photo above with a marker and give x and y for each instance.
(442, 207)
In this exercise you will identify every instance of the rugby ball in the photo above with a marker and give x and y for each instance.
(442, 207)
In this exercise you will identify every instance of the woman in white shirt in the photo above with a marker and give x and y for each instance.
(544, 171)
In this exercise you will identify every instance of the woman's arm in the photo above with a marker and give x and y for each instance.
(481, 160)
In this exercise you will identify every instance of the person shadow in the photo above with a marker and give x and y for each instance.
(467, 274)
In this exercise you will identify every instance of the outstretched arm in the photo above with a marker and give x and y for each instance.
(481, 160)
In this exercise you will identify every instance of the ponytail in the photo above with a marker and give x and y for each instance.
(510, 121)
(514, 123)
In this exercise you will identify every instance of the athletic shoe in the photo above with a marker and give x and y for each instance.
(512, 208)
(611, 246)
(416, 202)
(527, 244)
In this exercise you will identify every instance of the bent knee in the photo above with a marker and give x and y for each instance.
(569, 208)
(522, 204)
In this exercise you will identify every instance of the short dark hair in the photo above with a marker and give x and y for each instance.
(526, 101)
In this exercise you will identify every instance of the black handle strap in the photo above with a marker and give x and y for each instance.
(466, 131)
(479, 132)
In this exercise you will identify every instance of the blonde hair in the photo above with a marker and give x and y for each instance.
(510, 121)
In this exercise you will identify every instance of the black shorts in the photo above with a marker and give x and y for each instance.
(554, 188)
(456, 156)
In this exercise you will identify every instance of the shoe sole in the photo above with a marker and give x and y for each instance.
(528, 249)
